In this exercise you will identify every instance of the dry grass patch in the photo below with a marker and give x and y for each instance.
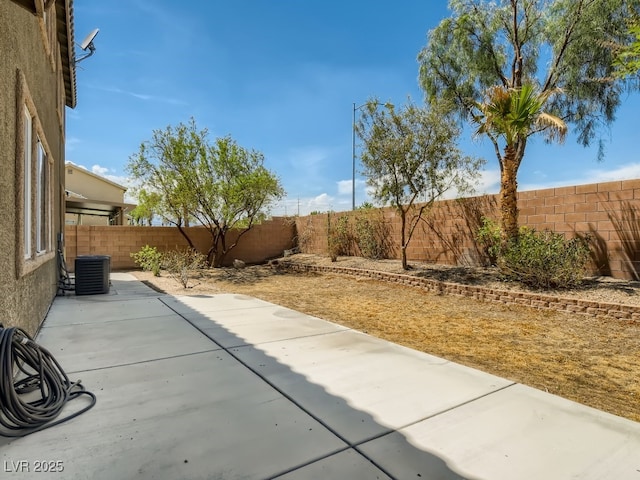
(592, 361)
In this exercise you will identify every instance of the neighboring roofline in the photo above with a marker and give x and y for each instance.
(88, 172)
(70, 194)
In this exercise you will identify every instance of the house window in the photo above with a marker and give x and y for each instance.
(35, 188)
(26, 187)
(42, 200)
(36, 191)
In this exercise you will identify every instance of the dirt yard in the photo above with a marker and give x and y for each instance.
(592, 361)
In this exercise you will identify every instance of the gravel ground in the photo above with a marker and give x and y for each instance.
(599, 289)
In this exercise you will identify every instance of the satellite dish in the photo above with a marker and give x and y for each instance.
(86, 43)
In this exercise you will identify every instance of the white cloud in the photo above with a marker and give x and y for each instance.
(144, 96)
(323, 201)
(629, 171)
(340, 202)
(305, 205)
(489, 181)
(345, 187)
(98, 170)
(623, 172)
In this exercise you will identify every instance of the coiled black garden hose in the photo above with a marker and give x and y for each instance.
(24, 410)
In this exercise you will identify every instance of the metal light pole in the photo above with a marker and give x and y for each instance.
(353, 159)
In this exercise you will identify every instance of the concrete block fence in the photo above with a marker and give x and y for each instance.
(606, 212)
(264, 241)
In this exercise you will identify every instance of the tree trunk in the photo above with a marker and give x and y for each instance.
(509, 195)
(403, 217)
(186, 237)
(212, 253)
(220, 248)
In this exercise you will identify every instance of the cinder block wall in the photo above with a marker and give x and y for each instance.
(608, 212)
(263, 241)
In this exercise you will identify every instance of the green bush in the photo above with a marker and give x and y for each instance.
(545, 259)
(489, 239)
(149, 259)
(339, 236)
(371, 235)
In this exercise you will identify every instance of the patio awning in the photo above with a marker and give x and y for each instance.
(96, 207)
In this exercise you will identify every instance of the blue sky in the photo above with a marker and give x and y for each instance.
(281, 77)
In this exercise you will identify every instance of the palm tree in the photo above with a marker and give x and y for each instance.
(514, 114)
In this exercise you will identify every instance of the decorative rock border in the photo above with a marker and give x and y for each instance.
(507, 297)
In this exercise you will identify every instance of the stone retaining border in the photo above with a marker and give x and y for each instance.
(507, 297)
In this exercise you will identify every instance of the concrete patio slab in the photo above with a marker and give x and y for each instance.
(518, 432)
(103, 344)
(213, 303)
(344, 465)
(347, 372)
(69, 312)
(197, 416)
(255, 325)
(122, 282)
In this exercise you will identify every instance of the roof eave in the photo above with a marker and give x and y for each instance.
(65, 31)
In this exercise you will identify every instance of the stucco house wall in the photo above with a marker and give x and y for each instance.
(37, 80)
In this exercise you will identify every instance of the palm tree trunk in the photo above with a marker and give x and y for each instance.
(509, 194)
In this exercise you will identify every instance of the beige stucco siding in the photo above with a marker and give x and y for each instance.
(88, 185)
(28, 73)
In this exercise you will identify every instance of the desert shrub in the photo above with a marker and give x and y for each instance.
(305, 236)
(149, 259)
(489, 240)
(371, 235)
(343, 235)
(544, 259)
(182, 264)
(339, 236)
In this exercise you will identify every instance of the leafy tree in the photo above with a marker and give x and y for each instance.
(627, 59)
(410, 155)
(146, 209)
(366, 206)
(220, 186)
(554, 45)
(513, 114)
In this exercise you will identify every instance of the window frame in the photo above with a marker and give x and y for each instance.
(27, 162)
(43, 199)
(30, 254)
